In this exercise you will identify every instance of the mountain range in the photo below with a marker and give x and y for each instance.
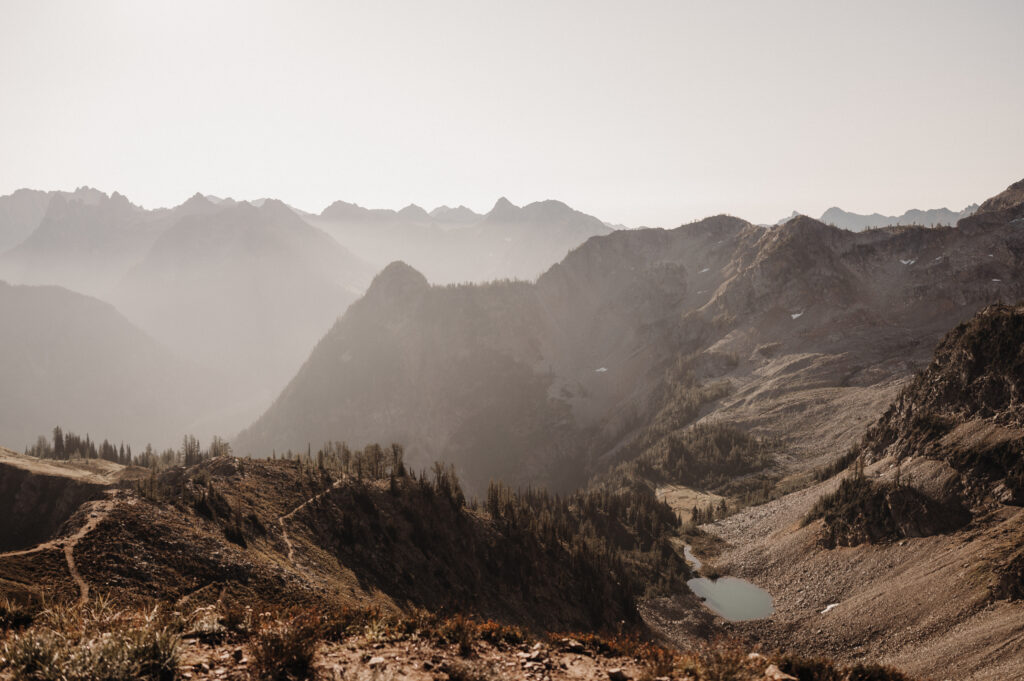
(243, 290)
(456, 245)
(832, 416)
(811, 328)
(857, 222)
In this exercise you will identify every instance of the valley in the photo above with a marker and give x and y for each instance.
(462, 341)
(798, 442)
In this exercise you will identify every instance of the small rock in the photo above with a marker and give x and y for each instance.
(572, 645)
(377, 661)
(776, 674)
(238, 655)
(427, 665)
(617, 674)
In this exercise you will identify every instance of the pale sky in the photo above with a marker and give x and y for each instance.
(642, 113)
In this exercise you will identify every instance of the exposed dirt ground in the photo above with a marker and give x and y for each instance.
(93, 471)
(924, 605)
(419, 660)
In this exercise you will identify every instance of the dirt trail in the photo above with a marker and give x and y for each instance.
(97, 514)
(287, 516)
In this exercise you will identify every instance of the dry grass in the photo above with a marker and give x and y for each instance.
(722, 660)
(15, 614)
(96, 641)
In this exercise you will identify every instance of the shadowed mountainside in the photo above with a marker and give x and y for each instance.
(807, 329)
(241, 289)
(72, 360)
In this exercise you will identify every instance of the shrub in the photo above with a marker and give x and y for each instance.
(237, 619)
(461, 631)
(285, 650)
(337, 625)
(814, 669)
(497, 633)
(657, 661)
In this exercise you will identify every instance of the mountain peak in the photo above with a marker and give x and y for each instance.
(396, 281)
(197, 202)
(458, 214)
(1011, 197)
(503, 208)
(805, 224)
(793, 215)
(343, 209)
(413, 211)
(88, 195)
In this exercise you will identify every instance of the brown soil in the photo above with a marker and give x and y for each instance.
(419, 660)
(925, 605)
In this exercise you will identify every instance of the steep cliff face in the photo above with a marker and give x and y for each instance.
(967, 408)
(36, 501)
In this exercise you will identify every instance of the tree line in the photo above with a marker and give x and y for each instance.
(67, 446)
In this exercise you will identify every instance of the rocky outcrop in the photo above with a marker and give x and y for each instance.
(967, 407)
(35, 505)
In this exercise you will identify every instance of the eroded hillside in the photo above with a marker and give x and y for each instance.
(912, 555)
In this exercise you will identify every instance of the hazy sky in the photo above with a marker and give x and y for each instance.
(637, 112)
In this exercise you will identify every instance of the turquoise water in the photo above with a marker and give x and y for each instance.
(734, 599)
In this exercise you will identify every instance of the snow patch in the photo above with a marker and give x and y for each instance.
(997, 280)
(829, 607)
(797, 315)
(601, 370)
(909, 262)
(706, 269)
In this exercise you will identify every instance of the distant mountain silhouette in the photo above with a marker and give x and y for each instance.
(807, 325)
(70, 360)
(86, 241)
(925, 218)
(461, 214)
(249, 286)
(451, 245)
(241, 288)
(20, 213)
